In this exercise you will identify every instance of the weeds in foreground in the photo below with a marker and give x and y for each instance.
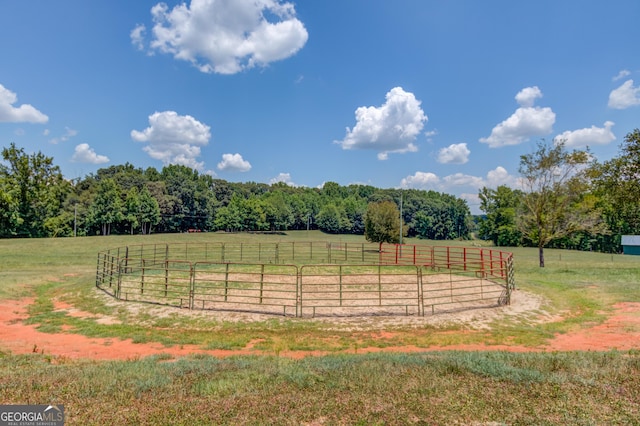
(429, 388)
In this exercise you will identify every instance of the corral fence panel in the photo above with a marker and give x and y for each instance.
(359, 289)
(166, 282)
(308, 278)
(260, 287)
(295, 252)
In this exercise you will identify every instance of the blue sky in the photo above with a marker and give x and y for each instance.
(442, 95)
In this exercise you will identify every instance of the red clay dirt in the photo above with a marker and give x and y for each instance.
(621, 331)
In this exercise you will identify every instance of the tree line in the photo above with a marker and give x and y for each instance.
(37, 201)
(567, 200)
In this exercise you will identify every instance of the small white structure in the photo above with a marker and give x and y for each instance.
(631, 244)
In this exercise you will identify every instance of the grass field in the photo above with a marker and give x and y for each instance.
(434, 387)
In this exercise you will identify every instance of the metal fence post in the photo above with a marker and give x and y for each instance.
(298, 291)
(226, 281)
(261, 282)
(420, 291)
(118, 285)
(340, 280)
(192, 285)
(379, 285)
(142, 277)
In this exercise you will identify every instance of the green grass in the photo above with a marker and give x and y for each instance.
(429, 388)
(433, 388)
(579, 286)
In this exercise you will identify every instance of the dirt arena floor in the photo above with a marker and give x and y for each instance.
(620, 331)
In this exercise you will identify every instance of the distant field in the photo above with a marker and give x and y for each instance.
(297, 371)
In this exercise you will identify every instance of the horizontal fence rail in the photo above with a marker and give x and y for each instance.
(308, 278)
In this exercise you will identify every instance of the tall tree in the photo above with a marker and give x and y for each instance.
(554, 203)
(255, 216)
(37, 187)
(279, 213)
(107, 206)
(332, 218)
(617, 183)
(232, 216)
(382, 223)
(500, 206)
(355, 209)
(192, 198)
(149, 214)
(132, 209)
(9, 216)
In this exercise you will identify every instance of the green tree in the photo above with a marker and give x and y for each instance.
(9, 215)
(500, 206)
(355, 209)
(127, 176)
(180, 182)
(232, 216)
(36, 186)
(332, 219)
(149, 211)
(255, 216)
(279, 214)
(191, 197)
(132, 209)
(438, 217)
(333, 191)
(617, 184)
(77, 206)
(166, 204)
(554, 204)
(382, 223)
(107, 206)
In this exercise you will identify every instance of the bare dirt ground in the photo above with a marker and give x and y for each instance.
(620, 331)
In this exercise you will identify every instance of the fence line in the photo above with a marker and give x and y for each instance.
(404, 279)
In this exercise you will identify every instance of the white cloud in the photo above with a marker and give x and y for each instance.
(430, 134)
(226, 36)
(500, 176)
(390, 128)
(234, 163)
(465, 186)
(460, 179)
(174, 139)
(20, 114)
(457, 153)
(68, 133)
(454, 182)
(421, 180)
(283, 177)
(85, 154)
(137, 36)
(527, 96)
(526, 122)
(625, 96)
(588, 136)
(622, 74)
